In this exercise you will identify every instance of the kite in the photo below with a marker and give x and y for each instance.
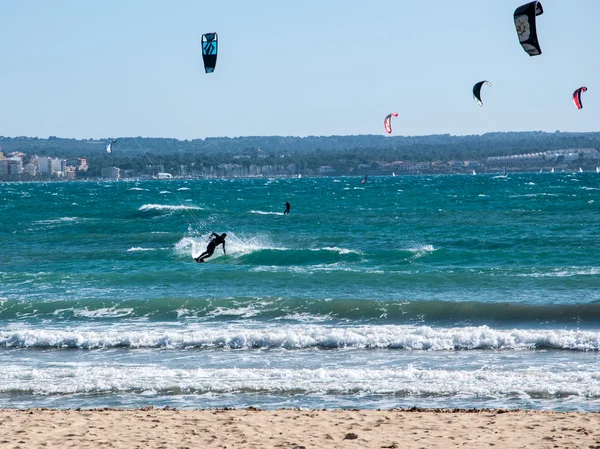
(209, 51)
(577, 97)
(387, 122)
(477, 91)
(109, 145)
(525, 24)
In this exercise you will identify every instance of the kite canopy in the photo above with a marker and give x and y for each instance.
(577, 97)
(209, 51)
(387, 122)
(525, 24)
(477, 91)
(109, 145)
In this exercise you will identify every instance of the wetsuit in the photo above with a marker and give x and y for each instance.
(212, 245)
(287, 208)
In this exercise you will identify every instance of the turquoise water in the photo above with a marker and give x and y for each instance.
(433, 291)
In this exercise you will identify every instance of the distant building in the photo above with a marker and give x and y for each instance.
(3, 167)
(229, 170)
(268, 170)
(402, 166)
(254, 170)
(44, 165)
(30, 169)
(569, 155)
(69, 172)
(518, 160)
(324, 169)
(563, 156)
(15, 166)
(50, 166)
(82, 164)
(57, 166)
(111, 172)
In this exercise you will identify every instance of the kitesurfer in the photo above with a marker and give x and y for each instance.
(287, 208)
(210, 249)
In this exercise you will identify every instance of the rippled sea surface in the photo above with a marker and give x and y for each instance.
(432, 291)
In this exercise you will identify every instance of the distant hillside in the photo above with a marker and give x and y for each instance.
(430, 147)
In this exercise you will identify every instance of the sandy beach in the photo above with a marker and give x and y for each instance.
(296, 429)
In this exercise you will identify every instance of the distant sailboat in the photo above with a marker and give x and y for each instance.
(552, 171)
(597, 169)
(504, 172)
(364, 180)
(542, 170)
(580, 170)
(474, 172)
(299, 175)
(394, 174)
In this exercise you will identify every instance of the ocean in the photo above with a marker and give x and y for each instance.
(409, 291)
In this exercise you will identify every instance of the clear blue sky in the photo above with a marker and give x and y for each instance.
(113, 68)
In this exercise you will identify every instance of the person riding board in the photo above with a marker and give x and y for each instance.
(287, 208)
(210, 249)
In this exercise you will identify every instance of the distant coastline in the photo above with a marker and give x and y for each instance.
(29, 159)
(481, 171)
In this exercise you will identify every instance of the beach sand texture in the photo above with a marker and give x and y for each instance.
(296, 429)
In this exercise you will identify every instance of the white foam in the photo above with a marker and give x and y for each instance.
(402, 337)
(147, 207)
(260, 212)
(110, 312)
(138, 248)
(409, 380)
(340, 250)
(562, 272)
(58, 220)
(235, 246)
(421, 250)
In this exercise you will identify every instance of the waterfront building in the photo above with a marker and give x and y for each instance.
(111, 172)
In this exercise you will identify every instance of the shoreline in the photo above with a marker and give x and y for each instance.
(468, 172)
(150, 427)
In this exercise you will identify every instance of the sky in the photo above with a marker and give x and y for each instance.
(115, 68)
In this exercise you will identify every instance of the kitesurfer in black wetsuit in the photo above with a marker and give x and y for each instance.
(287, 208)
(210, 249)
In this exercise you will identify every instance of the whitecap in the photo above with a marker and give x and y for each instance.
(260, 212)
(147, 207)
